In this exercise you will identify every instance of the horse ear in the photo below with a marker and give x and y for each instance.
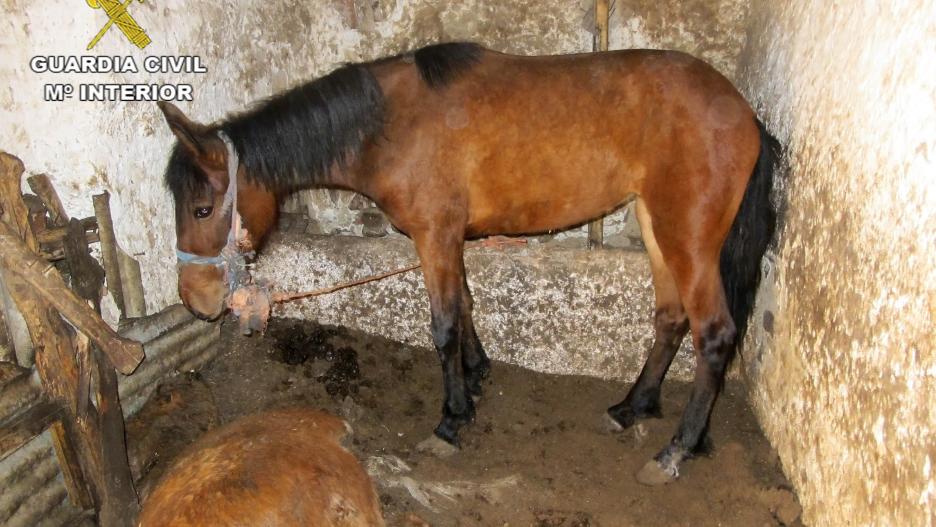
(186, 131)
(206, 148)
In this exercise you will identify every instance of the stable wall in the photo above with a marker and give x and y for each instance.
(844, 381)
(253, 49)
(845, 385)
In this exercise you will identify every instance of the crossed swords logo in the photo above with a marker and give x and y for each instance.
(117, 14)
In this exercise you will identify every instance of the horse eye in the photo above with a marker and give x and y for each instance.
(202, 212)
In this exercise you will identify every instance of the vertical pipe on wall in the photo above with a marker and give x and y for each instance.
(132, 285)
(602, 14)
(109, 249)
(602, 17)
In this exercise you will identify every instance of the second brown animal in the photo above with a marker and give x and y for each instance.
(279, 468)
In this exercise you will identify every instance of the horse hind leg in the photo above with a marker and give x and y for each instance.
(713, 335)
(671, 325)
(475, 362)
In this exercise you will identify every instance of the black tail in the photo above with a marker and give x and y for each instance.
(751, 233)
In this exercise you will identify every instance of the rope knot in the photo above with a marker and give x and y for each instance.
(251, 304)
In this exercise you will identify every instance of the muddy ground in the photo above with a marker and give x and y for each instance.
(539, 453)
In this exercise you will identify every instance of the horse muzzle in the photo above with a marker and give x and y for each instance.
(204, 290)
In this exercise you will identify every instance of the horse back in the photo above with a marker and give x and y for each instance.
(530, 144)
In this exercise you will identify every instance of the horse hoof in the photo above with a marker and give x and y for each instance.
(653, 474)
(611, 424)
(437, 447)
(623, 415)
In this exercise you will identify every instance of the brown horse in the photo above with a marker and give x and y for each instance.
(454, 141)
(279, 468)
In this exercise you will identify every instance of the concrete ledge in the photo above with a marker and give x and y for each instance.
(546, 307)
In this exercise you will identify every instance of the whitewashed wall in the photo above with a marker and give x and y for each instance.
(253, 49)
(846, 386)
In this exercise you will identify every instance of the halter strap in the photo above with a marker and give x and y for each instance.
(229, 204)
(186, 258)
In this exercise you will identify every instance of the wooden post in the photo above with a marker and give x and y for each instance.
(7, 351)
(16, 214)
(26, 425)
(67, 457)
(54, 360)
(43, 188)
(602, 15)
(87, 277)
(47, 284)
(56, 234)
(41, 295)
(120, 504)
(109, 249)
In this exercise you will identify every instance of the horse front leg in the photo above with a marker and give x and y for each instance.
(440, 253)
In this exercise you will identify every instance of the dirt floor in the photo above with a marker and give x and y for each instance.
(539, 453)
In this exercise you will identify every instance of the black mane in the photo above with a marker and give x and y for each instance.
(304, 132)
(441, 63)
(294, 139)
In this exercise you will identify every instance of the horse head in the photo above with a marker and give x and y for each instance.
(213, 195)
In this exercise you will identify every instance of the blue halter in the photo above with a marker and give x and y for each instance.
(185, 258)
